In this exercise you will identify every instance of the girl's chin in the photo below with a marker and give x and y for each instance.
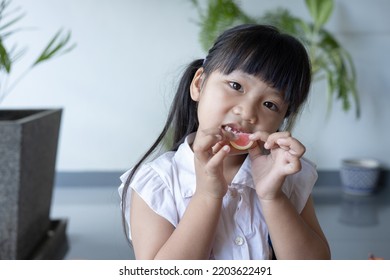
(235, 152)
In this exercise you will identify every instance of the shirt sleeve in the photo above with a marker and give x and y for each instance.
(299, 186)
(154, 191)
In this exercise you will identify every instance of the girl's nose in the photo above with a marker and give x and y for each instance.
(247, 111)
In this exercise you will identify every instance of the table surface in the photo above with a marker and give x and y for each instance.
(355, 226)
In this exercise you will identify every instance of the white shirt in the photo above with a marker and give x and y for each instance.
(167, 184)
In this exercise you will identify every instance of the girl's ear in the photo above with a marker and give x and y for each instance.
(196, 84)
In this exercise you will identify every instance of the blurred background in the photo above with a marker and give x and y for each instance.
(116, 86)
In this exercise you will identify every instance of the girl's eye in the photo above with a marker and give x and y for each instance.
(271, 106)
(235, 86)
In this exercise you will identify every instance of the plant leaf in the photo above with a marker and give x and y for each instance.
(282, 19)
(54, 47)
(320, 11)
(5, 60)
(11, 22)
(220, 15)
(329, 60)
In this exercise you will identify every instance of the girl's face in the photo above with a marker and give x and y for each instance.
(239, 100)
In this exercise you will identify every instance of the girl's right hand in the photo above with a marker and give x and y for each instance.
(210, 149)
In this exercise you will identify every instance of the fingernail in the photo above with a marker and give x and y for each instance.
(251, 137)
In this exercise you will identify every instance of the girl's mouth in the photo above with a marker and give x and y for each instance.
(241, 141)
(232, 129)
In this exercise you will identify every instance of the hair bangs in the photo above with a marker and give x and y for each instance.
(271, 56)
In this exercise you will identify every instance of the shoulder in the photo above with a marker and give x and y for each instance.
(152, 175)
(150, 181)
(162, 183)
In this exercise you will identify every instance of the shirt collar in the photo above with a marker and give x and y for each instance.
(184, 160)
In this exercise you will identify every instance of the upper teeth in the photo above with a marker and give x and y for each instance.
(228, 128)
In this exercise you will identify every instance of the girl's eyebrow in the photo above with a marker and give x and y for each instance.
(237, 74)
(275, 91)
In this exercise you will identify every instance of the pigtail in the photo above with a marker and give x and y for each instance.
(181, 121)
(184, 109)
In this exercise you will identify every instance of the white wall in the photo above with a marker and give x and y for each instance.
(116, 86)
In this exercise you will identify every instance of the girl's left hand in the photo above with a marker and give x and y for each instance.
(271, 167)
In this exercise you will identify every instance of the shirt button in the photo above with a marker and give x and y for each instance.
(239, 241)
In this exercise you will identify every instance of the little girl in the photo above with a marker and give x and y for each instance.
(206, 199)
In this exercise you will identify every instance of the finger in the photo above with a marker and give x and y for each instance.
(258, 150)
(216, 161)
(259, 136)
(217, 147)
(271, 140)
(203, 144)
(292, 145)
(293, 164)
(207, 138)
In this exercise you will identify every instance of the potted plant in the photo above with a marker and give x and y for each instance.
(330, 61)
(28, 147)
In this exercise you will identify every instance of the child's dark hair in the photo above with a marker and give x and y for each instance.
(278, 59)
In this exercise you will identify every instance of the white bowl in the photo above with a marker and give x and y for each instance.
(359, 176)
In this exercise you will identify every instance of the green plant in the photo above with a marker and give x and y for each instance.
(58, 45)
(329, 59)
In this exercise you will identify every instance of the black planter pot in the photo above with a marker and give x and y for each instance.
(28, 149)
